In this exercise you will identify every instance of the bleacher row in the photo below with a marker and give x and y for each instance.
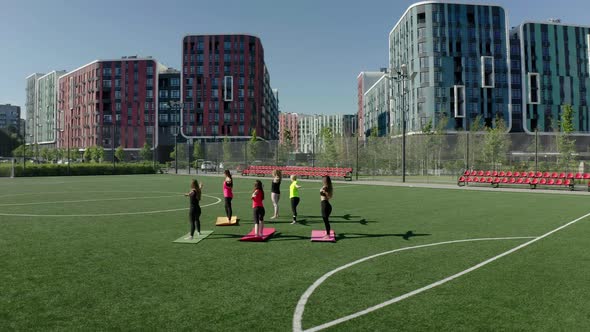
(309, 172)
(533, 179)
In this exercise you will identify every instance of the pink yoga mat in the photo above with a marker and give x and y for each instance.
(318, 236)
(266, 233)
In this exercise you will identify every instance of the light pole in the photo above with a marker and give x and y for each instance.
(402, 75)
(176, 105)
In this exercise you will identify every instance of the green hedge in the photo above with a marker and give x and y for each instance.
(79, 169)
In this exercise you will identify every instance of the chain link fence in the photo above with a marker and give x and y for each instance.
(429, 158)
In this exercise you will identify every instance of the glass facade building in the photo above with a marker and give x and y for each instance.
(457, 65)
(550, 67)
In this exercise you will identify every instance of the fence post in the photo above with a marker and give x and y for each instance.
(357, 157)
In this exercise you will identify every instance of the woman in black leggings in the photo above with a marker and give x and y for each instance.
(326, 194)
(228, 194)
(194, 215)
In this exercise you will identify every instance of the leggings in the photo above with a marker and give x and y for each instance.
(258, 214)
(228, 210)
(194, 219)
(294, 203)
(326, 211)
(275, 202)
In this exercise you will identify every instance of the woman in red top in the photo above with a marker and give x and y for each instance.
(228, 194)
(258, 208)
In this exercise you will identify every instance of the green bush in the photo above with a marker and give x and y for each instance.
(84, 169)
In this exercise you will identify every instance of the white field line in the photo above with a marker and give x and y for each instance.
(87, 191)
(90, 200)
(298, 315)
(108, 214)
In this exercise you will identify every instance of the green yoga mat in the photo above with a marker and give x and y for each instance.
(195, 240)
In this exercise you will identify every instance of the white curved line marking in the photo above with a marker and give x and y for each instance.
(298, 315)
(89, 200)
(88, 191)
(108, 214)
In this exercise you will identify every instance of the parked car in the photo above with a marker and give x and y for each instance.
(208, 166)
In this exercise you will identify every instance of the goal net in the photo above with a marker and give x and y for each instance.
(7, 166)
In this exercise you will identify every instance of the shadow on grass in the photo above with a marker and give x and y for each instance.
(406, 236)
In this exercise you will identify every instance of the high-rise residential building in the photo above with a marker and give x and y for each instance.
(310, 129)
(376, 103)
(168, 110)
(290, 122)
(226, 88)
(10, 117)
(550, 68)
(365, 80)
(109, 103)
(31, 107)
(456, 56)
(45, 116)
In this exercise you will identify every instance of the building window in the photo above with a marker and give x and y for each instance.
(534, 87)
(459, 98)
(150, 93)
(175, 81)
(106, 83)
(175, 93)
(487, 72)
(424, 62)
(228, 88)
(150, 70)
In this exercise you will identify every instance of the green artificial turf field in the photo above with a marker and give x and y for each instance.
(96, 253)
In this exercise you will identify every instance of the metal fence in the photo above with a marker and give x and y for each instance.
(428, 158)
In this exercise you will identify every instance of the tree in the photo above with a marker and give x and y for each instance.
(253, 146)
(286, 148)
(226, 149)
(46, 154)
(145, 153)
(18, 152)
(496, 143)
(120, 154)
(329, 154)
(181, 153)
(88, 154)
(74, 154)
(565, 142)
(98, 155)
(197, 151)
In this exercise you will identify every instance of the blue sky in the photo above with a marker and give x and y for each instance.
(314, 48)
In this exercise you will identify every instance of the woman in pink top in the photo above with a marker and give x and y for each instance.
(228, 194)
(258, 208)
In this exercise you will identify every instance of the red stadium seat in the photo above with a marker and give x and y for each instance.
(559, 182)
(490, 180)
(579, 176)
(528, 181)
(562, 175)
(495, 173)
(531, 174)
(570, 175)
(586, 176)
(502, 173)
(538, 175)
(520, 181)
(505, 180)
(488, 173)
(516, 174)
(546, 175)
(555, 175)
(535, 181)
(480, 173)
(551, 182)
(473, 173)
(509, 173)
(512, 180)
(543, 181)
